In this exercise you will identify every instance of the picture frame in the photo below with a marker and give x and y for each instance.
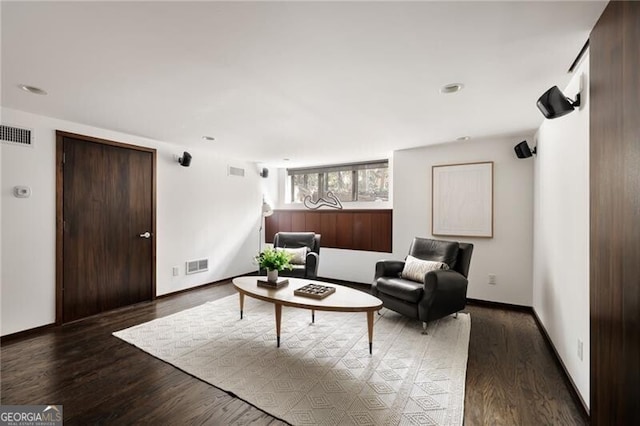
(462, 200)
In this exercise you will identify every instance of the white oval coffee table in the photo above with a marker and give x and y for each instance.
(344, 299)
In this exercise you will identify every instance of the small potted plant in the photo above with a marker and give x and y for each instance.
(273, 261)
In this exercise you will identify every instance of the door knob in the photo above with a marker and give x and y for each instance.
(146, 235)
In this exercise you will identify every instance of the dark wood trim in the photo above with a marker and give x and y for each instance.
(500, 305)
(352, 284)
(154, 239)
(105, 142)
(576, 61)
(362, 229)
(25, 334)
(570, 383)
(59, 225)
(60, 135)
(205, 285)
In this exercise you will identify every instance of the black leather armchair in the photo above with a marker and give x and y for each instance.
(442, 292)
(297, 240)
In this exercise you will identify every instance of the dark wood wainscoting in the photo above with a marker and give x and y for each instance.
(367, 230)
(615, 203)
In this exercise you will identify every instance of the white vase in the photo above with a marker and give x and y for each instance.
(272, 275)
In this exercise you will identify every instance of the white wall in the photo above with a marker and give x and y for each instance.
(201, 212)
(561, 232)
(508, 254)
(28, 232)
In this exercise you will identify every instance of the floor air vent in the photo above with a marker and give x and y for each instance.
(195, 266)
(235, 171)
(15, 135)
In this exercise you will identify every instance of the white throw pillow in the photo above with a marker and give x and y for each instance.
(415, 269)
(298, 255)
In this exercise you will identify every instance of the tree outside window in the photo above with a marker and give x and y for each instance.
(303, 185)
(373, 184)
(340, 184)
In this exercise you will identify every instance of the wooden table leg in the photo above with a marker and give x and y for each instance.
(370, 329)
(241, 304)
(278, 318)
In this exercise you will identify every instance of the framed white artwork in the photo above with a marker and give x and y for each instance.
(462, 200)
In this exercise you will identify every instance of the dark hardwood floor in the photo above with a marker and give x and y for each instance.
(512, 377)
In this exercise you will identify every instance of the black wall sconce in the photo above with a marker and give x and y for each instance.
(553, 103)
(264, 172)
(523, 151)
(185, 160)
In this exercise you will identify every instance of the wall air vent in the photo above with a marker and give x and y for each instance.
(16, 135)
(235, 171)
(195, 266)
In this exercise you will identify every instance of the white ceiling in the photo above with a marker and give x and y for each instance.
(316, 82)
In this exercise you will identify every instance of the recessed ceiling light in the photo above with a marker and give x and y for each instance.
(285, 159)
(463, 138)
(208, 138)
(451, 88)
(32, 89)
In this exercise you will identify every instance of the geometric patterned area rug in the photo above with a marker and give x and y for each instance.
(322, 374)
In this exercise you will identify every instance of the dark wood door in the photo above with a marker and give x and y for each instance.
(614, 155)
(107, 203)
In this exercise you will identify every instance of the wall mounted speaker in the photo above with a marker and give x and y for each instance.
(553, 103)
(264, 172)
(185, 160)
(523, 151)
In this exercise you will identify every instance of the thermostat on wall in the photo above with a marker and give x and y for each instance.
(22, 191)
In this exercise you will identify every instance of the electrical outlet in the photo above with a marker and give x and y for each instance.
(580, 348)
(492, 279)
(176, 271)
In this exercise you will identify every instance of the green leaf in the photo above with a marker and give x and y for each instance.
(274, 259)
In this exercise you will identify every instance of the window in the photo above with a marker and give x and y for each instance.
(348, 182)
